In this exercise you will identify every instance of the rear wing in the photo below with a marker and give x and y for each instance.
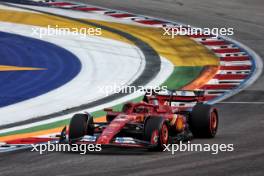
(170, 96)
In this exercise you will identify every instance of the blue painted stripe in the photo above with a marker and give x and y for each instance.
(15, 50)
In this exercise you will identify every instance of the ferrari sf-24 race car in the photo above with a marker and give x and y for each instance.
(161, 118)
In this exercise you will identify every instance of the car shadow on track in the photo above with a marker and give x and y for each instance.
(117, 151)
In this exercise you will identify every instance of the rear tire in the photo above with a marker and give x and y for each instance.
(156, 132)
(204, 121)
(77, 127)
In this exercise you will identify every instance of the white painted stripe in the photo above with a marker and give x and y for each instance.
(94, 53)
(231, 54)
(52, 135)
(101, 12)
(226, 72)
(216, 81)
(67, 6)
(166, 69)
(212, 91)
(222, 46)
(231, 81)
(12, 8)
(235, 63)
(207, 39)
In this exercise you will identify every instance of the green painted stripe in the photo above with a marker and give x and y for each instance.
(180, 77)
(37, 128)
(62, 122)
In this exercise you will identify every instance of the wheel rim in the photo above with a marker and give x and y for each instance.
(213, 122)
(154, 137)
(164, 136)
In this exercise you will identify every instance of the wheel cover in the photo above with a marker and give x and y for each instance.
(213, 122)
(154, 137)
(164, 136)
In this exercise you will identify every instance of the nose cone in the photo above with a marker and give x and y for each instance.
(114, 128)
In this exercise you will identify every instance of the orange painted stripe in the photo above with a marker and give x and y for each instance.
(100, 119)
(43, 132)
(14, 68)
(207, 74)
(26, 135)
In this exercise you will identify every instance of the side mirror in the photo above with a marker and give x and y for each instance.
(108, 109)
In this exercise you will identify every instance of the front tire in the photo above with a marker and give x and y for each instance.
(77, 127)
(156, 132)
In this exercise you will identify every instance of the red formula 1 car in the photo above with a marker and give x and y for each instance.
(162, 118)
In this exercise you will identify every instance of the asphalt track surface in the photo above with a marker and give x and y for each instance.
(241, 120)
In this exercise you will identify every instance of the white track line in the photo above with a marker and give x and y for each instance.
(98, 56)
(166, 70)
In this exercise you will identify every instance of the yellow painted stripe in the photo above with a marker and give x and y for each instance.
(181, 51)
(43, 20)
(14, 68)
(26, 135)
